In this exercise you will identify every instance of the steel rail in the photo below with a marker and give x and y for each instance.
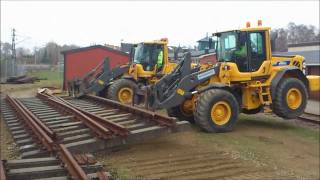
(160, 119)
(2, 170)
(95, 127)
(115, 128)
(41, 135)
(308, 118)
(71, 164)
(65, 156)
(46, 129)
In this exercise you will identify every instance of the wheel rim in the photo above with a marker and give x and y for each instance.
(294, 98)
(186, 108)
(221, 113)
(125, 95)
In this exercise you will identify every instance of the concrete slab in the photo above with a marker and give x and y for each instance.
(55, 118)
(28, 147)
(73, 133)
(32, 162)
(80, 137)
(65, 129)
(38, 172)
(61, 125)
(313, 107)
(57, 122)
(34, 154)
(20, 137)
(24, 142)
(18, 132)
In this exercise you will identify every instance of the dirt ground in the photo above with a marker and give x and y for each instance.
(271, 147)
(260, 147)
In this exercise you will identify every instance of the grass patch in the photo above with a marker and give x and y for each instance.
(123, 174)
(51, 77)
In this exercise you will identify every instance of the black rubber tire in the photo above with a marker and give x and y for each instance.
(204, 104)
(176, 112)
(252, 111)
(280, 106)
(117, 85)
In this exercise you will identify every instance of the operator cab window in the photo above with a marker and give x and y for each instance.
(230, 42)
(241, 53)
(257, 49)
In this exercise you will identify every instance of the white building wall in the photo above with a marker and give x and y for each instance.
(304, 48)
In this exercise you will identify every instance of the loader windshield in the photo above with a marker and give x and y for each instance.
(226, 45)
(147, 55)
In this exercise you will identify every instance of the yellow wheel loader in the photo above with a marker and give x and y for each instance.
(247, 79)
(149, 62)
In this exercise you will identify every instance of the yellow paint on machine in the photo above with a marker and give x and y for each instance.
(100, 82)
(314, 82)
(180, 91)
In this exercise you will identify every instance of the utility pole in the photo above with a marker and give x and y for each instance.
(13, 49)
(35, 55)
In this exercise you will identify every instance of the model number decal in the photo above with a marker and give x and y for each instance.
(206, 74)
(281, 63)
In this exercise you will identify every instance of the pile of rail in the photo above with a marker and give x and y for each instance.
(22, 79)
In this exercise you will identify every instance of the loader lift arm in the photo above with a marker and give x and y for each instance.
(97, 79)
(175, 87)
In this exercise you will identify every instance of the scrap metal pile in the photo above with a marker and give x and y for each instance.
(22, 79)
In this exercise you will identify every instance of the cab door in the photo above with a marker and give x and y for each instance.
(257, 53)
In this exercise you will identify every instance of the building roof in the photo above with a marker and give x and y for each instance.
(314, 43)
(126, 47)
(311, 57)
(94, 47)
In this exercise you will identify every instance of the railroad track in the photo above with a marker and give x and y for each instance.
(53, 160)
(125, 124)
(311, 118)
(47, 125)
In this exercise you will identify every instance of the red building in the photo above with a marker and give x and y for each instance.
(78, 62)
(208, 58)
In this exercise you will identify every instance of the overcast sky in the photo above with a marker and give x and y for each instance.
(85, 23)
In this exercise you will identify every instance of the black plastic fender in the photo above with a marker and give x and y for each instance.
(291, 72)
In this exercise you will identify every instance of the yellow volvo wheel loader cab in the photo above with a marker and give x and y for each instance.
(149, 62)
(247, 79)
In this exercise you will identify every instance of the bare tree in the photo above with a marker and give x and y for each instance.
(293, 34)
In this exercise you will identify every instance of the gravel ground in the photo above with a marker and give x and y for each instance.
(8, 149)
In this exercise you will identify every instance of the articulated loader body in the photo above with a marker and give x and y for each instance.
(148, 63)
(247, 79)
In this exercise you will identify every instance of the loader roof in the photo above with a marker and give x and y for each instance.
(246, 29)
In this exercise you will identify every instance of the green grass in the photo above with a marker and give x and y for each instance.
(52, 77)
(123, 174)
